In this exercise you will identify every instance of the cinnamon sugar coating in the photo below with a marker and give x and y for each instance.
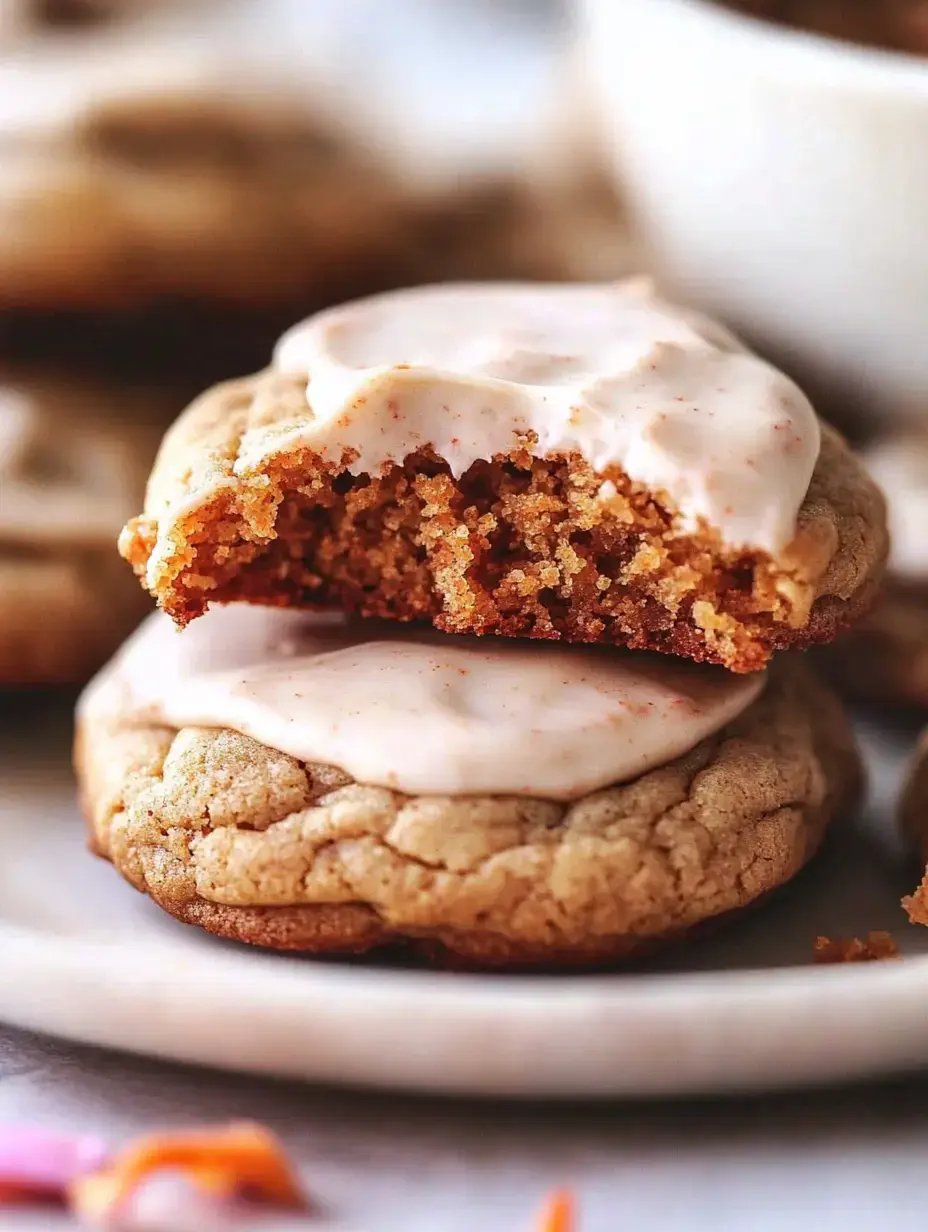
(254, 845)
(519, 546)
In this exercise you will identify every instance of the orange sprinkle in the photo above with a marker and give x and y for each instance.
(558, 1212)
(242, 1158)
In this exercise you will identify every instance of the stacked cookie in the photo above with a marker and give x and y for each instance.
(632, 511)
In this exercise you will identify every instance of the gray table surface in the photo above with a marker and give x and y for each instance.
(843, 1159)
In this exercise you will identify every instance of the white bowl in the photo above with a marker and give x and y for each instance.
(779, 179)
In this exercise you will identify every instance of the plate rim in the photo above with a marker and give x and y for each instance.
(422, 1020)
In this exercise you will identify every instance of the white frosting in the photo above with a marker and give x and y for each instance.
(899, 464)
(611, 371)
(419, 711)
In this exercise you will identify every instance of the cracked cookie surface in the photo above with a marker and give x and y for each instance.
(250, 844)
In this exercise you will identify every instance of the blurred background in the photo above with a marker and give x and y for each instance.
(182, 179)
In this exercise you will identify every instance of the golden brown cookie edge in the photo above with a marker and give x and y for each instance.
(357, 928)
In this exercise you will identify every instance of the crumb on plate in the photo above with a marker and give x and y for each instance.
(875, 947)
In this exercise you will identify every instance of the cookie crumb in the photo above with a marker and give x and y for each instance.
(916, 905)
(876, 947)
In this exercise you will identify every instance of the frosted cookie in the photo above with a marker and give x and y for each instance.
(299, 781)
(69, 469)
(583, 463)
(259, 152)
(885, 658)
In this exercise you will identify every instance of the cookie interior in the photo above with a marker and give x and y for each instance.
(518, 546)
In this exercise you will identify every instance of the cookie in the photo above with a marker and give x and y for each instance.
(191, 155)
(143, 161)
(69, 468)
(897, 25)
(678, 495)
(188, 200)
(257, 846)
(182, 198)
(884, 659)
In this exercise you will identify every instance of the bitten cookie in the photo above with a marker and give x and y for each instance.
(583, 463)
(311, 783)
(73, 458)
(884, 659)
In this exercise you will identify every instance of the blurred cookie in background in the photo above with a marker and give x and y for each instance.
(74, 458)
(172, 194)
(259, 152)
(885, 658)
(896, 25)
(913, 821)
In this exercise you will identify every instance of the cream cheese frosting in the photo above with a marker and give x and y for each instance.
(899, 464)
(609, 370)
(416, 710)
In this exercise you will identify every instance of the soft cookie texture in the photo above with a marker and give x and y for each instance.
(69, 469)
(518, 545)
(250, 844)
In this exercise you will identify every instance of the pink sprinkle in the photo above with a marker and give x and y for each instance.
(40, 1163)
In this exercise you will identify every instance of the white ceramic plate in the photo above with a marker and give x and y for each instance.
(83, 956)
